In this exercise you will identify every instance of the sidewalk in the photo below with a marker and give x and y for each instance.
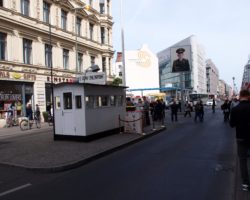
(36, 149)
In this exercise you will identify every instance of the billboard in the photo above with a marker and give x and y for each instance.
(180, 58)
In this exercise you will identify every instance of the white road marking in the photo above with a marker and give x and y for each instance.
(15, 189)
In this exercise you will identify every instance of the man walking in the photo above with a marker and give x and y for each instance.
(240, 118)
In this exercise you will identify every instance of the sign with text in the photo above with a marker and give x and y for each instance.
(93, 77)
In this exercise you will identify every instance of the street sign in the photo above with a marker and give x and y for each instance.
(93, 77)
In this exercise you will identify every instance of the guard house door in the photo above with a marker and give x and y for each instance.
(67, 114)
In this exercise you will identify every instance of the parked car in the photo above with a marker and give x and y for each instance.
(210, 102)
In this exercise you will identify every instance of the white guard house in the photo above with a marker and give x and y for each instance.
(85, 111)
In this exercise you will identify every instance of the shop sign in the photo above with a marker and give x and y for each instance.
(10, 97)
(4, 74)
(93, 77)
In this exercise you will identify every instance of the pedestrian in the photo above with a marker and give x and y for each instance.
(146, 107)
(198, 111)
(213, 105)
(240, 119)
(225, 107)
(187, 109)
(234, 103)
(37, 112)
(29, 112)
(174, 109)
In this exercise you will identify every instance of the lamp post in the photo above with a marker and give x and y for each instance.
(51, 77)
(123, 48)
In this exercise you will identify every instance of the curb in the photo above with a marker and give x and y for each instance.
(86, 160)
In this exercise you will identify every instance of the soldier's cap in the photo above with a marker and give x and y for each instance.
(180, 50)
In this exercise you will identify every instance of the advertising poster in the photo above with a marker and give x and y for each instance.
(180, 58)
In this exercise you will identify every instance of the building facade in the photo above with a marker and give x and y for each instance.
(212, 75)
(192, 81)
(50, 41)
(246, 76)
(141, 71)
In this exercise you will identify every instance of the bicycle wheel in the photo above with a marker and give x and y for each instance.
(24, 125)
(38, 123)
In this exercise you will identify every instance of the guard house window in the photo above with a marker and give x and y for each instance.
(102, 7)
(79, 62)
(3, 37)
(67, 100)
(58, 103)
(48, 55)
(78, 26)
(64, 20)
(120, 100)
(112, 100)
(65, 59)
(104, 64)
(46, 12)
(25, 4)
(89, 101)
(91, 31)
(78, 99)
(92, 60)
(27, 50)
(102, 35)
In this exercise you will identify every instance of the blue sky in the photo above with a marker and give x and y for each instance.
(221, 26)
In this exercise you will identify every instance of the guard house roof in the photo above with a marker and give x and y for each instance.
(88, 84)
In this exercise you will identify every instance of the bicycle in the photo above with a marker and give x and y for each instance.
(27, 124)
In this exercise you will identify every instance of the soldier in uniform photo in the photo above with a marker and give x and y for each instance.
(181, 64)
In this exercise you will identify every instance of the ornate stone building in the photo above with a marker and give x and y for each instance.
(44, 40)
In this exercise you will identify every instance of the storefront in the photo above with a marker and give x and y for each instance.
(17, 93)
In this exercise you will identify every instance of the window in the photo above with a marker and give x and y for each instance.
(79, 62)
(104, 64)
(78, 26)
(67, 100)
(108, 35)
(78, 101)
(91, 31)
(65, 58)
(3, 37)
(25, 4)
(102, 35)
(102, 7)
(92, 60)
(89, 101)
(104, 100)
(27, 50)
(120, 100)
(108, 7)
(64, 20)
(112, 100)
(1, 2)
(46, 12)
(48, 55)
(58, 103)
(91, 2)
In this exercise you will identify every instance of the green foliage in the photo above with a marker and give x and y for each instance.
(117, 81)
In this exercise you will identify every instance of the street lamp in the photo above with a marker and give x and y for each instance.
(123, 48)
(51, 77)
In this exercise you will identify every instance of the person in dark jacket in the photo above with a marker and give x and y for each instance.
(29, 112)
(174, 109)
(240, 119)
(226, 109)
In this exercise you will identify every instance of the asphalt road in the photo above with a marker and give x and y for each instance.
(189, 160)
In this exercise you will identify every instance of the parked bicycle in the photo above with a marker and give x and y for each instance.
(27, 124)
